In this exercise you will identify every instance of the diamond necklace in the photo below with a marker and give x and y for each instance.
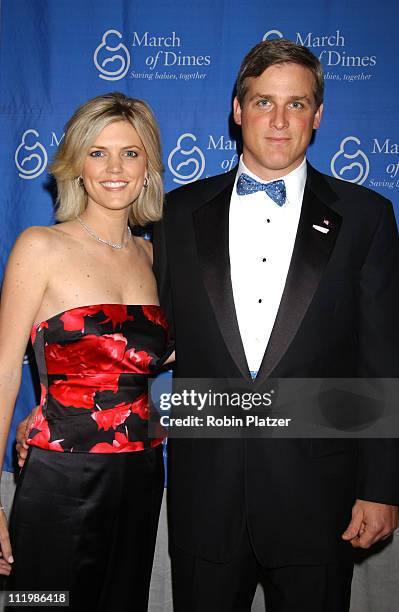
(114, 245)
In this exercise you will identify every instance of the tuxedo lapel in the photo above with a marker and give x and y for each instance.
(312, 249)
(211, 226)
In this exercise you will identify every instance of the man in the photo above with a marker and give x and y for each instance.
(275, 270)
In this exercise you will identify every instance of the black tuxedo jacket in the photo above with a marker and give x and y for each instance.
(338, 317)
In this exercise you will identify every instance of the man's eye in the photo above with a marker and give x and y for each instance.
(296, 104)
(96, 153)
(263, 103)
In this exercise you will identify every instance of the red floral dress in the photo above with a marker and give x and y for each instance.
(94, 363)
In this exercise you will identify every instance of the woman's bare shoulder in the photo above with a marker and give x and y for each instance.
(145, 245)
(38, 241)
(34, 239)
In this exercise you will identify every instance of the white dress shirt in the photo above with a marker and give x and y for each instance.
(261, 241)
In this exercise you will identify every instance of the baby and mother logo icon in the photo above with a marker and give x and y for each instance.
(30, 156)
(186, 160)
(350, 163)
(112, 57)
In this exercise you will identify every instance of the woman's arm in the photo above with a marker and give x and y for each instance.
(24, 285)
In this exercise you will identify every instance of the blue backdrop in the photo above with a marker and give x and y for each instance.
(183, 59)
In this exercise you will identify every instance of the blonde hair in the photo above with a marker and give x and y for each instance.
(82, 130)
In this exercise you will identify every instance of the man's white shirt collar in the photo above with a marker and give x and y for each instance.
(294, 180)
(261, 242)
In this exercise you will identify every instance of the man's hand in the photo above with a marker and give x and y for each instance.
(21, 435)
(370, 523)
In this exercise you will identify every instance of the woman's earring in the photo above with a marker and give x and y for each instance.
(145, 184)
(79, 180)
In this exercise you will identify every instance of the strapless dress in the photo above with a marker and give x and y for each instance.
(87, 502)
(94, 363)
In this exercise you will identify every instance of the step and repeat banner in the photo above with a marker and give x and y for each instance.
(183, 58)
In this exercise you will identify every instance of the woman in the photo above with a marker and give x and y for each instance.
(87, 502)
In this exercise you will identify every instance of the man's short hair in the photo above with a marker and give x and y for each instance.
(279, 51)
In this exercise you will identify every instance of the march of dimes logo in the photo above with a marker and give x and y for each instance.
(351, 162)
(112, 57)
(30, 156)
(187, 160)
(331, 49)
(156, 57)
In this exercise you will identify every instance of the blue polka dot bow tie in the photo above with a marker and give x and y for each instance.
(275, 190)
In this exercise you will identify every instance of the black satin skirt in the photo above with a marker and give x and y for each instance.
(87, 523)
